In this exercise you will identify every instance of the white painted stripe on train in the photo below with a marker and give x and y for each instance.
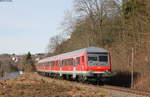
(70, 72)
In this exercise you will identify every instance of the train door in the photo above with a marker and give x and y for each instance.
(78, 65)
(74, 64)
(71, 64)
(54, 68)
(60, 67)
(74, 67)
(57, 65)
(82, 63)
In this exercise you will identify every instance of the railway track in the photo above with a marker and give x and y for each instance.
(135, 92)
(123, 89)
(128, 90)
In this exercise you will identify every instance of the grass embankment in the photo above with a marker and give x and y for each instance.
(28, 85)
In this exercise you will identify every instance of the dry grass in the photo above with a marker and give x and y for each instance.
(143, 82)
(27, 86)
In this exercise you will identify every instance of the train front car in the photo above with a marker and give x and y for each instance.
(99, 64)
(90, 63)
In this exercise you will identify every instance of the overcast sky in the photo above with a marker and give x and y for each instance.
(27, 25)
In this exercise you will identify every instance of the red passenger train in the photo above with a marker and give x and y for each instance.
(84, 64)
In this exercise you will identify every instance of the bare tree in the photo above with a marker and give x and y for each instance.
(54, 42)
(97, 11)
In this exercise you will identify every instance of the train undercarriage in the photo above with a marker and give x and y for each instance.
(95, 78)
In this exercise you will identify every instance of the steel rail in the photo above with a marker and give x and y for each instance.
(110, 87)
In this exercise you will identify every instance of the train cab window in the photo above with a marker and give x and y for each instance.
(92, 58)
(98, 59)
(103, 58)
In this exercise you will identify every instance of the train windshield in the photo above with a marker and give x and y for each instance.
(98, 59)
(92, 58)
(103, 58)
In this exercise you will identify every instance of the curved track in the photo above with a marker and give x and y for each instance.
(109, 87)
(128, 90)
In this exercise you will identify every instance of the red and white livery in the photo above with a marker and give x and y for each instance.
(83, 64)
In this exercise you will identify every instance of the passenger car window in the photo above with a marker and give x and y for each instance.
(82, 59)
(78, 60)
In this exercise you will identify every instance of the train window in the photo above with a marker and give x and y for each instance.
(46, 65)
(82, 59)
(103, 58)
(92, 58)
(63, 62)
(78, 60)
(56, 63)
(74, 62)
(60, 63)
(67, 62)
(52, 63)
(71, 61)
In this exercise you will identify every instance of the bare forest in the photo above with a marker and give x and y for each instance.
(121, 26)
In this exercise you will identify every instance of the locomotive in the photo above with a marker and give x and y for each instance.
(90, 63)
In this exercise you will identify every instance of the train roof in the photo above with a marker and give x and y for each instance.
(84, 50)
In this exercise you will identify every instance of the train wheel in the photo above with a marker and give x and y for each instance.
(60, 77)
(82, 78)
(99, 82)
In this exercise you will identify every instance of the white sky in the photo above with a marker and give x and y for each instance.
(27, 25)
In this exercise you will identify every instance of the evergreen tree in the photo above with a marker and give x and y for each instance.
(28, 57)
(29, 63)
